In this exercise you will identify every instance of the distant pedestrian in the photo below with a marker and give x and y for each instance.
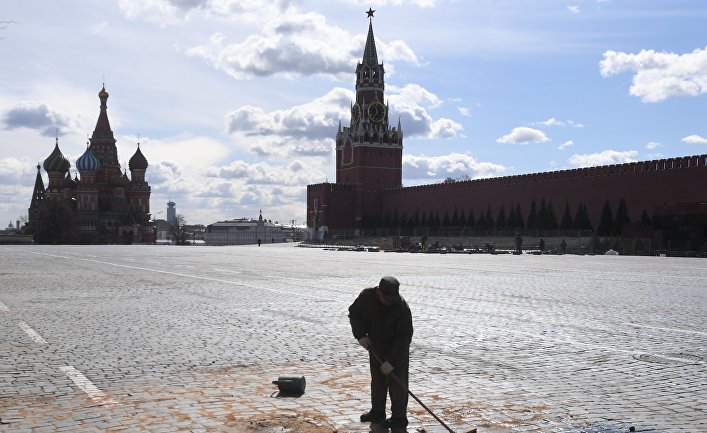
(259, 241)
(563, 246)
(519, 243)
(381, 321)
(541, 244)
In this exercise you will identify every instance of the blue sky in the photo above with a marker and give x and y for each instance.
(236, 103)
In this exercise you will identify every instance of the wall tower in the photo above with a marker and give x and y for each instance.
(369, 155)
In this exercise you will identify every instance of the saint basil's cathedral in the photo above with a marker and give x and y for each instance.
(100, 204)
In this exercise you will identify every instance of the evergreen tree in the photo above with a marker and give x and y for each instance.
(481, 223)
(430, 222)
(471, 221)
(489, 218)
(551, 223)
(462, 219)
(455, 218)
(645, 219)
(446, 221)
(606, 221)
(581, 218)
(395, 223)
(621, 217)
(532, 222)
(501, 219)
(567, 222)
(438, 223)
(519, 218)
(386, 220)
(542, 220)
(512, 221)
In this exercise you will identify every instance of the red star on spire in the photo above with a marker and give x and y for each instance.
(370, 12)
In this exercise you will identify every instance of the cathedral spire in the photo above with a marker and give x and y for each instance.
(39, 190)
(102, 125)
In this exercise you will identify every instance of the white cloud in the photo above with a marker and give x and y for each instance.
(523, 135)
(653, 145)
(464, 111)
(413, 104)
(694, 139)
(309, 129)
(293, 45)
(660, 75)
(554, 122)
(379, 3)
(167, 12)
(454, 165)
(606, 157)
(161, 11)
(293, 174)
(317, 119)
(184, 151)
(565, 145)
(574, 9)
(242, 188)
(38, 116)
(236, 189)
(17, 171)
(17, 176)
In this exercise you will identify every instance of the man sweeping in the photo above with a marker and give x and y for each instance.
(382, 323)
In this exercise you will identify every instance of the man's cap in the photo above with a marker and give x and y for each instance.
(389, 288)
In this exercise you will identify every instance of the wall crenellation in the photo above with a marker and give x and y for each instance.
(629, 168)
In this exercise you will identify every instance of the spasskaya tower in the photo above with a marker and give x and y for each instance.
(369, 151)
(369, 156)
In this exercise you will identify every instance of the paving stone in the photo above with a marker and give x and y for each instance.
(192, 338)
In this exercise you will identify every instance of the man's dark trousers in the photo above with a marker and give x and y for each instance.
(380, 383)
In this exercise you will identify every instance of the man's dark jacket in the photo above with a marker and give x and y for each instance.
(388, 326)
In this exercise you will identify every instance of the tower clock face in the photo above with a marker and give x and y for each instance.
(355, 113)
(376, 112)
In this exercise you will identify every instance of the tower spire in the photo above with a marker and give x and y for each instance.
(103, 125)
(370, 55)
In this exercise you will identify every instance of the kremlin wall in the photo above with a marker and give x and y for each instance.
(643, 185)
(662, 201)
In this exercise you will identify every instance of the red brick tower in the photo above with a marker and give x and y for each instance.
(369, 155)
(138, 194)
(369, 152)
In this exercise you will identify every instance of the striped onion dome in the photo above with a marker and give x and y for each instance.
(56, 161)
(88, 161)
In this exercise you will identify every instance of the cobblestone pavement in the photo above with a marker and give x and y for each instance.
(143, 338)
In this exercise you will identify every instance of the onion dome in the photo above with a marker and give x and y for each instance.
(88, 161)
(56, 161)
(138, 160)
(103, 94)
(68, 182)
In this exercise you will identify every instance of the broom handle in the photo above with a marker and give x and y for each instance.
(400, 382)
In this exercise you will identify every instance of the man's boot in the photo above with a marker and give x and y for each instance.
(396, 423)
(373, 416)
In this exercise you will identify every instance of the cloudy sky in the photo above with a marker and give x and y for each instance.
(236, 102)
